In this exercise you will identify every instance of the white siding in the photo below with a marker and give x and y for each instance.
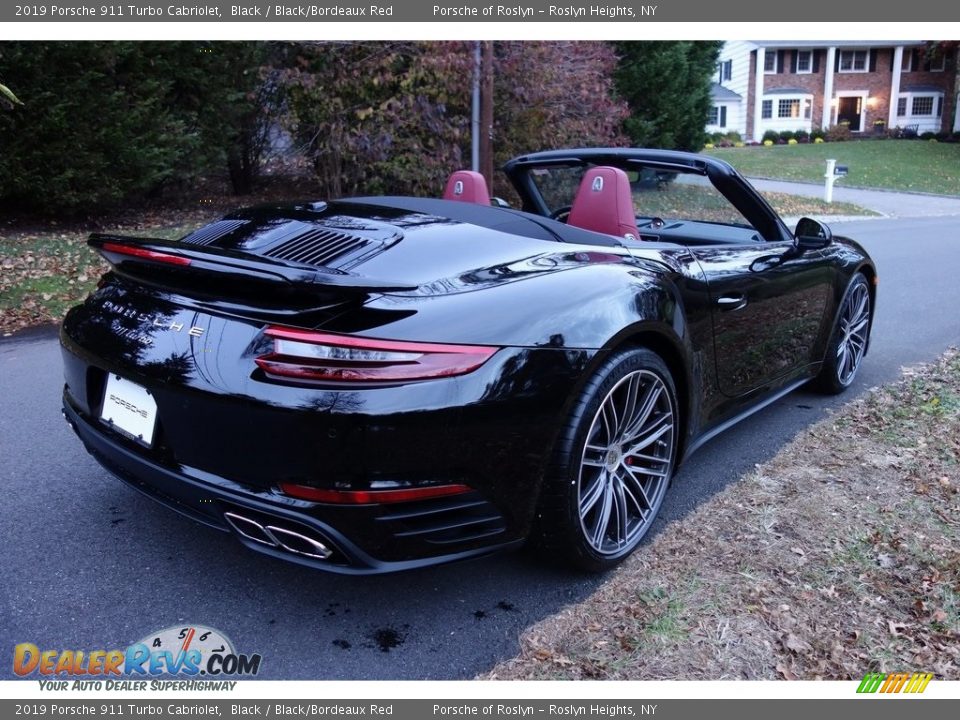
(739, 52)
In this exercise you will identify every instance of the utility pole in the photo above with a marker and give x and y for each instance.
(475, 109)
(486, 112)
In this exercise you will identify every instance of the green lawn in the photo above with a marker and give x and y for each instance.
(918, 165)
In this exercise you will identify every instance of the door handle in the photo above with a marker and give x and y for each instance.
(732, 302)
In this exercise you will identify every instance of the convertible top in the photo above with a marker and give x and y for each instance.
(507, 220)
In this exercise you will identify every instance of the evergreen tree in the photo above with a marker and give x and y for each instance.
(667, 86)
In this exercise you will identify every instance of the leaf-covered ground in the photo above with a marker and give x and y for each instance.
(42, 274)
(908, 165)
(839, 556)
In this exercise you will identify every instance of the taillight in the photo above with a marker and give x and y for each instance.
(131, 251)
(316, 356)
(371, 497)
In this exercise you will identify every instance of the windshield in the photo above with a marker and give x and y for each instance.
(655, 194)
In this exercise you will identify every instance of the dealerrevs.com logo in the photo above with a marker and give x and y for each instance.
(185, 651)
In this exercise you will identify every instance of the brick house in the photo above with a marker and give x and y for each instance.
(806, 85)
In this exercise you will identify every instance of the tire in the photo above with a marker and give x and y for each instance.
(848, 344)
(612, 465)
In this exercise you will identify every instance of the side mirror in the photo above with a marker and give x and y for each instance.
(812, 235)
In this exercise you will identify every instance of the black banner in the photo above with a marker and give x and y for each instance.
(420, 11)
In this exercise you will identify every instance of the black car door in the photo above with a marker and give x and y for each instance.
(767, 313)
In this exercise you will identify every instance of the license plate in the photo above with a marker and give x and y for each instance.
(130, 408)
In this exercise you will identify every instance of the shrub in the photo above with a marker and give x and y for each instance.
(818, 133)
(786, 135)
(708, 146)
(740, 143)
(792, 141)
(818, 140)
(839, 133)
(801, 135)
(767, 143)
(771, 135)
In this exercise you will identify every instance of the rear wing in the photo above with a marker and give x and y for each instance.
(137, 256)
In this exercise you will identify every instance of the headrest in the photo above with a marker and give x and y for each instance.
(467, 186)
(604, 204)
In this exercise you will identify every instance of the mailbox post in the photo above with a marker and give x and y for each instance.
(834, 173)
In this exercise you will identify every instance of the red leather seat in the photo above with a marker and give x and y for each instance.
(604, 204)
(467, 186)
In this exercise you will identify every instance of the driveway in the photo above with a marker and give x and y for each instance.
(886, 202)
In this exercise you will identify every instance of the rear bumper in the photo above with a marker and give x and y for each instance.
(226, 437)
(292, 529)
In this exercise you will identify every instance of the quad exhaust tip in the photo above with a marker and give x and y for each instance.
(286, 539)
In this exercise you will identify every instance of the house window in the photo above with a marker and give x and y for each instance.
(927, 105)
(788, 108)
(937, 64)
(922, 105)
(907, 64)
(770, 62)
(766, 109)
(724, 71)
(804, 61)
(807, 108)
(717, 116)
(853, 61)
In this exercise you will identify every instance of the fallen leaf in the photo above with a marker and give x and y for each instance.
(796, 644)
(896, 629)
(785, 672)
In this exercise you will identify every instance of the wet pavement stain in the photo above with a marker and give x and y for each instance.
(387, 638)
(342, 644)
(479, 614)
(505, 606)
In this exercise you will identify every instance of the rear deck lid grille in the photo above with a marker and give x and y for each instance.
(321, 247)
(212, 232)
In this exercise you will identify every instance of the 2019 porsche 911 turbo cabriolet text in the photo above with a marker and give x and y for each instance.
(379, 383)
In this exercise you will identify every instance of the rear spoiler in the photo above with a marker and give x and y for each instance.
(140, 252)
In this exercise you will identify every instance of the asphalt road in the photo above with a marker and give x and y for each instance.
(89, 563)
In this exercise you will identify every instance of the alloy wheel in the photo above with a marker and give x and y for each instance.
(627, 462)
(854, 322)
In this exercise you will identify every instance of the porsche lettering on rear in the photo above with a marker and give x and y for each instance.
(156, 322)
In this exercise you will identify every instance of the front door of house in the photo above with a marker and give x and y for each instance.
(849, 109)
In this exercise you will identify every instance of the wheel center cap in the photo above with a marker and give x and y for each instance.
(613, 458)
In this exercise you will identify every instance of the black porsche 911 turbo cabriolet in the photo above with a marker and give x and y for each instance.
(379, 383)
